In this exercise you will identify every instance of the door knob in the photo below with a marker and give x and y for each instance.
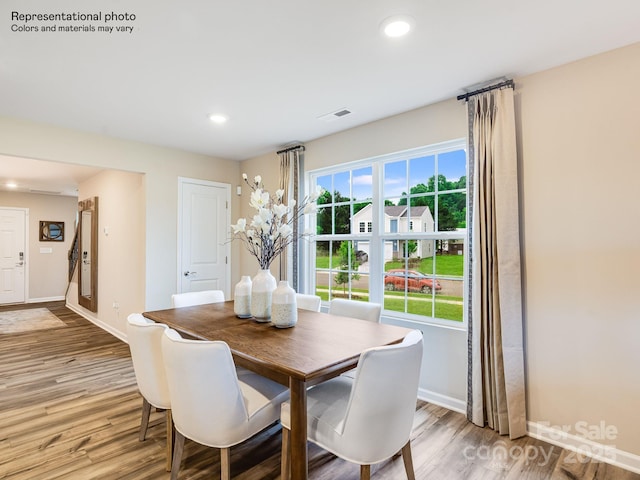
(189, 274)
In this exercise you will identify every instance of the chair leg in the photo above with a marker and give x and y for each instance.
(225, 464)
(169, 439)
(144, 423)
(408, 461)
(285, 460)
(178, 447)
(365, 472)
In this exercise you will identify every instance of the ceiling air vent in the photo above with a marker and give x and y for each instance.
(330, 117)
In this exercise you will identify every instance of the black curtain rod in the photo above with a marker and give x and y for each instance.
(465, 96)
(289, 149)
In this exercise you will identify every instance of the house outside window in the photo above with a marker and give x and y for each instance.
(413, 262)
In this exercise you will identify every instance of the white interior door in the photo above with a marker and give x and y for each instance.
(203, 236)
(12, 255)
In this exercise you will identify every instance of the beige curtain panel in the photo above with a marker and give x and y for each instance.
(285, 180)
(290, 182)
(496, 376)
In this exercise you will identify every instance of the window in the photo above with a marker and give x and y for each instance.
(414, 274)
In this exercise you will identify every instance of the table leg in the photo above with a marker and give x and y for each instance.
(299, 463)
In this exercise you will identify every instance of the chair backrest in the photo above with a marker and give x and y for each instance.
(206, 400)
(382, 404)
(188, 299)
(308, 302)
(145, 342)
(355, 309)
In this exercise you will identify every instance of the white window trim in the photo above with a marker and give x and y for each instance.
(377, 238)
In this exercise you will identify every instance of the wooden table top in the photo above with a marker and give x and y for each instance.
(318, 347)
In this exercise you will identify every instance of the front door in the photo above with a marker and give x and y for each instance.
(203, 240)
(12, 255)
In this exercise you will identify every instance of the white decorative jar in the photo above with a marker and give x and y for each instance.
(284, 308)
(242, 297)
(262, 288)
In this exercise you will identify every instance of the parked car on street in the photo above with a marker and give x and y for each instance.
(396, 279)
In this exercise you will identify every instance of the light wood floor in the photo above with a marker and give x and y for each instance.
(70, 409)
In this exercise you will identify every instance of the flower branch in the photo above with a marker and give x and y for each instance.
(270, 230)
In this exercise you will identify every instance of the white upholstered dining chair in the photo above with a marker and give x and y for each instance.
(308, 302)
(368, 419)
(145, 343)
(355, 309)
(211, 404)
(188, 299)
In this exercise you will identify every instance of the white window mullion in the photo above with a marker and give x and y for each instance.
(376, 290)
(345, 176)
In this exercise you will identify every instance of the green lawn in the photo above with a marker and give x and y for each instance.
(417, 303)
(446, 265)
(449, 311)
(323, 262)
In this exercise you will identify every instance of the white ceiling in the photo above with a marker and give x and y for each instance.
(42, 177)
(275, 66)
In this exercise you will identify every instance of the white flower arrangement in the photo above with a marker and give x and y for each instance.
(271, 228)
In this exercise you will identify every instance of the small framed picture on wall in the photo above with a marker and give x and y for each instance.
(51, 231)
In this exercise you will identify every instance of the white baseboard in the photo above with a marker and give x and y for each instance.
(45, 299)
(98, 322)
(584, 447)
(442, 400)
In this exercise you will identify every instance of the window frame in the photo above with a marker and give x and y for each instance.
(377, 236)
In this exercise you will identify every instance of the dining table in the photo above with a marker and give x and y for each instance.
(319, 347)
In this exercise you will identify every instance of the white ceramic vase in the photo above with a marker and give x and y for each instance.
(262, 288)
(242, 297)
(284, 308)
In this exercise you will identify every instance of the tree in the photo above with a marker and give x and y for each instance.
(452, 207)
(446, 219)
(341, 213)
(347, 256)
(412, 247)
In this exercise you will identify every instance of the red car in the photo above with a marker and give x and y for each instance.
(415, 281)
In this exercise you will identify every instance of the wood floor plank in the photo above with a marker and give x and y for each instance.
(70, 409)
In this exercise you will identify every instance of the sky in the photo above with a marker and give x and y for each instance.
(399, 176)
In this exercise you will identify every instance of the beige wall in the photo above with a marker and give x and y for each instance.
(161, 166)
(425, 126)
(445, 360)
(444, 366)
(580, 154)
(47, 271)
(579, 144)
(121, 247)
(268, 167)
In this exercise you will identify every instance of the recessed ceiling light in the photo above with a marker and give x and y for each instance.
(12, 185)
(218, 118)
(397, 26)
